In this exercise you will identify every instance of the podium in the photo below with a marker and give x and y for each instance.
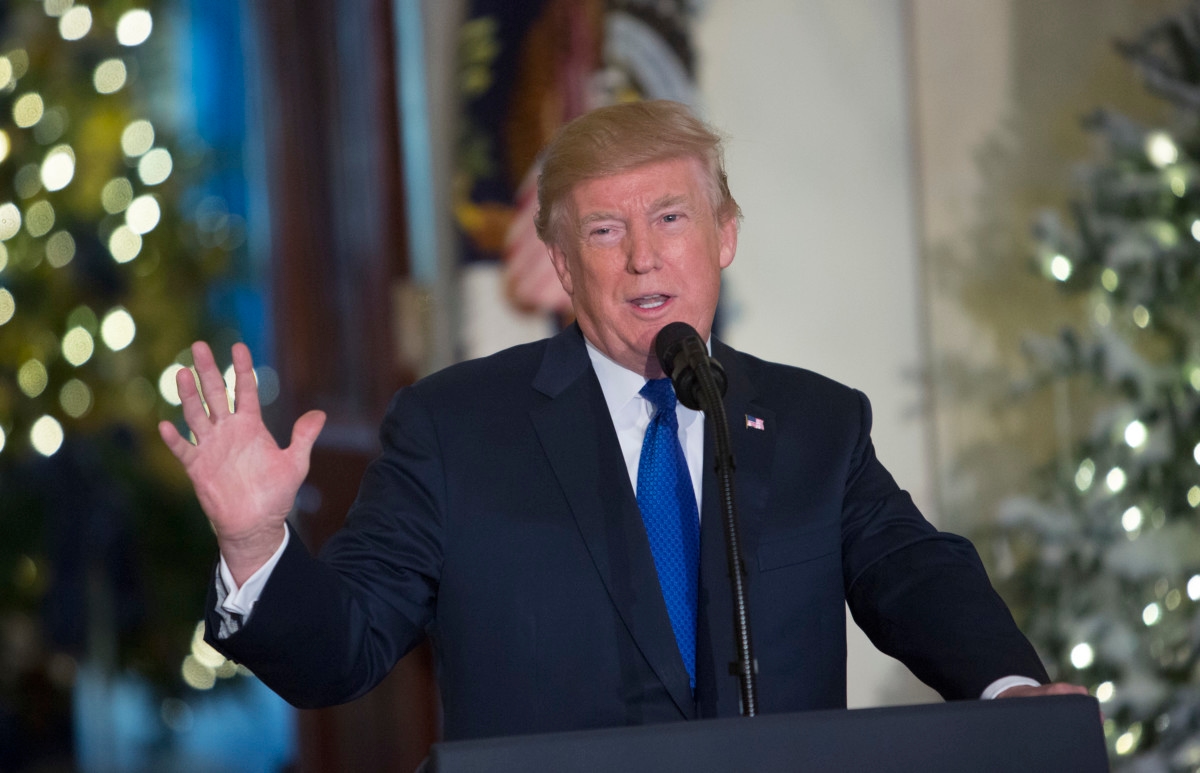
(1060, 734)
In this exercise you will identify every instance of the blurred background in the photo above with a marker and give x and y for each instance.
(984, 215)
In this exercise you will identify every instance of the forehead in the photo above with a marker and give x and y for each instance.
(674, 181)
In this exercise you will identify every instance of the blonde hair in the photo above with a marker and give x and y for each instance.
(619, 138)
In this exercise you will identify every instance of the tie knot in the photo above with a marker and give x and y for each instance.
(661, 394)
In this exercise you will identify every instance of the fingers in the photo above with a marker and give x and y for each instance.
(193, 407)
(211, 381)
(1056, 688)
(304, 435)
(176, 443)
(245, 387)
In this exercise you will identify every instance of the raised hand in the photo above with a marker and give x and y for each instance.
(245, 482)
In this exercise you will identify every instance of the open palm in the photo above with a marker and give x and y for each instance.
(245, 482)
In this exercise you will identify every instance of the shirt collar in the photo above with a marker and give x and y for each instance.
(621, 388)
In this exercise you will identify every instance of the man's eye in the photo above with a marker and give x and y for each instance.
(671, 218)
(602, 231)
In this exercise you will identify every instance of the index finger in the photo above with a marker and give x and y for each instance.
(245, 386)
(212, 384)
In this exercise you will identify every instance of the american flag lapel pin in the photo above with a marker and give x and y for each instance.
(754, 422)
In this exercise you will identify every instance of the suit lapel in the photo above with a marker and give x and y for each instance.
(717, 691)
(576, 431)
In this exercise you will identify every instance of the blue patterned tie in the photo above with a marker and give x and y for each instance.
(668, 504)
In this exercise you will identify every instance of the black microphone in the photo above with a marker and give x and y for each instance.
(684, 357)
(700, 382)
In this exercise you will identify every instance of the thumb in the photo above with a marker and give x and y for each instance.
(305, 432)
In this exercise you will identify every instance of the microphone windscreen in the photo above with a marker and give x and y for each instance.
(669, 342)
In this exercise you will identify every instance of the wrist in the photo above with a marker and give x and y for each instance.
(244, 555)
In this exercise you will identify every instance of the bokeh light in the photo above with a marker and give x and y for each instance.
(46, 436)
(155, 166)
(118, 329)
(27, 182)
(6, 72)
(5, 145)
(1115, 480)
(1131, 519)
(124, 244)
(1177, 180)
(134, 27)
(78, 346)
(1161, 149)
(167, 386)
(1085, 474)
(143, 214)
(1082, 655)
(1060, 267)
(57, 7)
(116, 195)
(60, 249)
(137, 138)
(28, 110)
(203, 651)
(32, 378)
(197, 675)
(51, 127)
(177, 715)
(1135, 434)
(19, 59)
(8, 306)
(75, 23)
(59, 168)
(39, 218)
(110, 76)
(83, 316)
(10, 221)
(75, 397)
(268, 384)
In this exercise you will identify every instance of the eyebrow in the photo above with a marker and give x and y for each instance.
(665, 202)
(669, 201)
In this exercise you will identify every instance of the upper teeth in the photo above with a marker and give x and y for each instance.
(651, 301)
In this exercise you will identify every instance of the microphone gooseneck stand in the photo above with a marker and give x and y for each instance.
(684, 358)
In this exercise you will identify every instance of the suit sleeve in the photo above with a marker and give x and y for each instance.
(327, 630)
(923, 596)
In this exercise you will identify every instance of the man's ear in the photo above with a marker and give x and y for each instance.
(729, 234)
(561, 267)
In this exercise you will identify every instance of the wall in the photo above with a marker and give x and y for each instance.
(814, 98)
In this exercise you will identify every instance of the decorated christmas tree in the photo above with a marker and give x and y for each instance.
(1102, 564)
(103, 267)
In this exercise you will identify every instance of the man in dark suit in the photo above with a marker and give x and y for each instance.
(511, 514)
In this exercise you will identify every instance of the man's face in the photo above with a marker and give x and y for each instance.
(644, 248)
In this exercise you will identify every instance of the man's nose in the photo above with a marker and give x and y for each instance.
(642, 252)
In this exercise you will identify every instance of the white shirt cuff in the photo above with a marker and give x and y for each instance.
(241, 601)
(994, 689)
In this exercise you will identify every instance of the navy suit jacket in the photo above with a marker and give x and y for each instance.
(500, 521)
